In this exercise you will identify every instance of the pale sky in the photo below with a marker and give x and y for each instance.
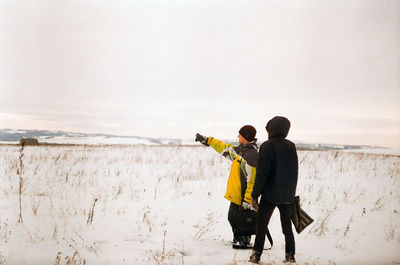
(171, 68)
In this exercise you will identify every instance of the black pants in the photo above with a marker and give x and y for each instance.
(264, 215)
(243, 222)
(232, 218)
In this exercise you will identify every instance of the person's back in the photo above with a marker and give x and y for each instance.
(281, 188)
(276, 182)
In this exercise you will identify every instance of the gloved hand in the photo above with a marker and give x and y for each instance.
(246, 206)
(255, 205)
(202, 139)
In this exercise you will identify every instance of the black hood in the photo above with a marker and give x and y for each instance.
(278, 126)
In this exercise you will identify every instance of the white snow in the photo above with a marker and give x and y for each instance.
(165, 205)
(379, 151)
(68, 139)
(91, 140)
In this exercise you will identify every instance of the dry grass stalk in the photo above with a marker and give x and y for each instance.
(19, 172)
(163, 246)
(348, 226)
(75, 260)
(234, 258)
(205, 228)
(58, 258)
(91, 213)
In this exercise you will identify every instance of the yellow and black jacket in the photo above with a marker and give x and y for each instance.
(243, 171)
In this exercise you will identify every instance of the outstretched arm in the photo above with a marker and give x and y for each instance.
(227, 150)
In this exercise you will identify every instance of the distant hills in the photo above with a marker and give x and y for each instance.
(61, 137)
(44, 136)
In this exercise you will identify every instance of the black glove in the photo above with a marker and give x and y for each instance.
(255, 205)
(202, 139)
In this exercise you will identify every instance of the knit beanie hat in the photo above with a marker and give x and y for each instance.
(248, 132)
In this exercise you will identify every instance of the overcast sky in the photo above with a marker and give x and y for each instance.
(173, 68)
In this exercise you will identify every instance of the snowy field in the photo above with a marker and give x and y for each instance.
(164, 205)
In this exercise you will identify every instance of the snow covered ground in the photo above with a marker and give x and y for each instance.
(165, 205)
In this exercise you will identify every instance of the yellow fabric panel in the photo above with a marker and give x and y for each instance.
(250, 184)
(217, 144)
(233, 189)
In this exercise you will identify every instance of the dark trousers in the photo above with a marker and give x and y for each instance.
(264, 215)
(243, 222)
(232, 217)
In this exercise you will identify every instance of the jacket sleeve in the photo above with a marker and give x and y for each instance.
(263, 170)
(249, 173)
(227, 150)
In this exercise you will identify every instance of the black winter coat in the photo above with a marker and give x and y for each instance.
(277, 168)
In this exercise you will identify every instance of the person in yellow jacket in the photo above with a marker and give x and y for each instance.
(240, 183)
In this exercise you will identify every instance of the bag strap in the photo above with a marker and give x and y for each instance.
(269, 238)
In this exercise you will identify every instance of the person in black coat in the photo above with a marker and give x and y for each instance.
(276, 181)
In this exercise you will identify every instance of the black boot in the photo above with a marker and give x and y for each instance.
(235, 241)
(235, 244)
(255, 257)
(289, 257)
(244, 243)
